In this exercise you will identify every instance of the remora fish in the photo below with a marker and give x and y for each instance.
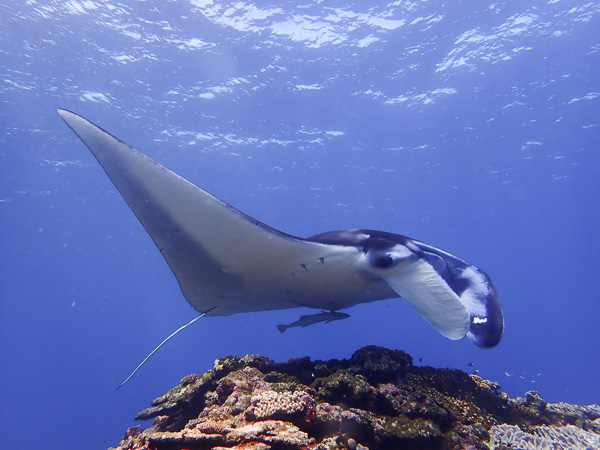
(311, 319)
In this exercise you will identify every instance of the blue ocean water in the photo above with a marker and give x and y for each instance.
(471, 126)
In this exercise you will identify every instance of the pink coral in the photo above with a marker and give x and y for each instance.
(271, 403)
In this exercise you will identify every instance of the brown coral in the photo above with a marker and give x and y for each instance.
(189, 379)
(210, 426)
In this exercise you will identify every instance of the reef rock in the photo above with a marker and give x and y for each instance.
(376, 399)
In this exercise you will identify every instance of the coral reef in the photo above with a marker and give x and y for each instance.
(376, 399)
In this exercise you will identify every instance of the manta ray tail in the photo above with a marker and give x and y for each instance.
(159, 346)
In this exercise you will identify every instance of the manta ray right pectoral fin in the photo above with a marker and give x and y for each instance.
(427, 292)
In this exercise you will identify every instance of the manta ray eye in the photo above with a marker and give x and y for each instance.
(383, 261)
(385, 256)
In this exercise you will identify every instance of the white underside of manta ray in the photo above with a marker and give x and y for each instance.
(227, 262)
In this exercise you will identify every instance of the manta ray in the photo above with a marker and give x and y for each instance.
(227, 262)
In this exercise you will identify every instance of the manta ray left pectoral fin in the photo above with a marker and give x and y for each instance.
(423, 288)
(224, 260)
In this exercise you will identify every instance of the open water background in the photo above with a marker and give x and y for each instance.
(472, 126)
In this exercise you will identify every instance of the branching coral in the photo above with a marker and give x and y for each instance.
(270, 403)
(544, 437)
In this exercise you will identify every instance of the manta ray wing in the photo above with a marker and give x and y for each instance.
(225, 261)
(421, 286)
(476, 292)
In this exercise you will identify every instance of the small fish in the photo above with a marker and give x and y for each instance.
(311, 319)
